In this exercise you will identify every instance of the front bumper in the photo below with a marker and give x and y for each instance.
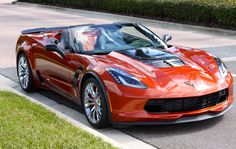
(127, 105)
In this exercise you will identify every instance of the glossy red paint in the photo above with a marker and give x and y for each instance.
(54, 72)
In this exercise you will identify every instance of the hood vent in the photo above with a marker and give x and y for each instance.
(159, 58)
(173, 62)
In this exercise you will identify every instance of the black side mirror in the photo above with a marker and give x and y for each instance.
(166, 38)
(55, 48)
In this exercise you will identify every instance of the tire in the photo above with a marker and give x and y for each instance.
(93, 97)
(24, 73)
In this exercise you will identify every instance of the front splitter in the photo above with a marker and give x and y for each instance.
(188, 119)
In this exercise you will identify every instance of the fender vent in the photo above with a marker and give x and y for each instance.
(39, 77)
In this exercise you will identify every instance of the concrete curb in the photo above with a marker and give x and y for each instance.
(110, 135)
(155, 23)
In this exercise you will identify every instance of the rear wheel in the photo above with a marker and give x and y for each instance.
(94, 104)
(24, 73)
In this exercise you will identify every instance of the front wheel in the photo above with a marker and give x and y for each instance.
(24, 73)
(94, 104)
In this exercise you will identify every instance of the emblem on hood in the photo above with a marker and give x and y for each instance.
(193, 84)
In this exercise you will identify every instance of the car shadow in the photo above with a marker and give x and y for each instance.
(60, 99)
(171, 129)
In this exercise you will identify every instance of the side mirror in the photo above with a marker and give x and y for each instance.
(166, 38)
(55, 48)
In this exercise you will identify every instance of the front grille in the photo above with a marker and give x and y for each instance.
(186, 104)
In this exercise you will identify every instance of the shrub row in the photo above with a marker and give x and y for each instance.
(217, 13)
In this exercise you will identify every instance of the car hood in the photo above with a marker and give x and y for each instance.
(175, 69)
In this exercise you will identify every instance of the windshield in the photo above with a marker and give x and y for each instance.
(112, 37)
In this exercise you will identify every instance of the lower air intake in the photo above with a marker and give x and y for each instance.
(186, 104)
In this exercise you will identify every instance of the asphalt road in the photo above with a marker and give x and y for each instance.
(216, 133)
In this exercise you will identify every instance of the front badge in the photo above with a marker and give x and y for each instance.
(193, 84)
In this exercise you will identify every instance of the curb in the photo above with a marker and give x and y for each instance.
(115, 137)
(155, 23)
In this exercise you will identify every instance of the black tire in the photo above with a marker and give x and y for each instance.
(29, 86)
(103, 122)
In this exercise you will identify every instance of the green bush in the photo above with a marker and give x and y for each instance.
(220, 13)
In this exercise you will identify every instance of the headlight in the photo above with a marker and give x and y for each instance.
(125, 78)
(222, 68)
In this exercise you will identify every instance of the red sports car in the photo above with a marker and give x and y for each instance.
(123, 73)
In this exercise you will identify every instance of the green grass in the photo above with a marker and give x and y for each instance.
(27, 125)
(214, 13)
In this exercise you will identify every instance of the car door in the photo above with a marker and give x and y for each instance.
(57, 73)
(58, 70)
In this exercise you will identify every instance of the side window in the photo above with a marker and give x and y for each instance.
(64, 43)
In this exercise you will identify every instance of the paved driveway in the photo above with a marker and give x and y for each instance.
(217, 133)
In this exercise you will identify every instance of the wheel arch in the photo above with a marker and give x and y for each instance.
(25, 45)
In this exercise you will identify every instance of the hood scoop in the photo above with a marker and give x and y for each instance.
(159, 58)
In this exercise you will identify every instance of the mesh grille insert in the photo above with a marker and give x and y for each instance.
(186, 104)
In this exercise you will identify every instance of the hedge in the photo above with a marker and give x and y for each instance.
(215, 13)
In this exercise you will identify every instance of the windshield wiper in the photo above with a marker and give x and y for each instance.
(94, 52)
(146, 46)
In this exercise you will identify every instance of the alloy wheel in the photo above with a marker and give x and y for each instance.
(92, 103)
(23, 72)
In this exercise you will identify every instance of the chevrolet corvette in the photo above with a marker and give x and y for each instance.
(123, 73)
